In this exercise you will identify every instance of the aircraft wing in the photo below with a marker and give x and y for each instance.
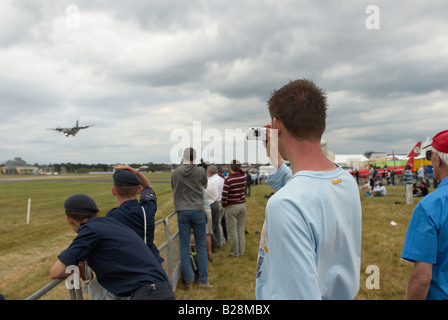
(56, 129)
(85, 127)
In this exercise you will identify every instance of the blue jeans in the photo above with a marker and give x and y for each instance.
(196, 220)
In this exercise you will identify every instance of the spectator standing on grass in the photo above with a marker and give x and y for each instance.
(426, 170)
(216, 178)
(248, 184)
(234, 202)
(137, 215)
(392, 177)
(426, 242)
(409, 184)
(310, 246)
(212, 196)
(123, 264)
(208, 227)
(421, 173)
(188, 182)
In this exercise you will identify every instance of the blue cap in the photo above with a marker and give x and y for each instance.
(126, 178)
(80, 202)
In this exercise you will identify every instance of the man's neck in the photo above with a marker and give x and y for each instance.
(307, 155)
(123, 200)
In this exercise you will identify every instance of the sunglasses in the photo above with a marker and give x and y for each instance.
(428, 155)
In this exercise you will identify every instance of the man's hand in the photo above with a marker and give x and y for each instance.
(124, 167)
(272, 146)
(142, 177)
(57, 271)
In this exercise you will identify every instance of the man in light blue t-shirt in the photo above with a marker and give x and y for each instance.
(426, 243)
(310, 246)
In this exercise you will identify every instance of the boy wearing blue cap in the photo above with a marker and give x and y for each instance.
(139, 216)
(124, 266)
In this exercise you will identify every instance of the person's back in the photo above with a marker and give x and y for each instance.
(135, 265)
(137, 215)
(320, 212)
(310, 246)
(124, 266)
(131, 213)
(408, 176)
(431, 213)
(188, 182)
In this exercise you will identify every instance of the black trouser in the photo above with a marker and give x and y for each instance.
(215, 225)
(157, 291)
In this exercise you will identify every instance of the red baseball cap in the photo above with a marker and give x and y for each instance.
(440, 141)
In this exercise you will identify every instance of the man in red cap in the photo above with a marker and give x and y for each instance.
(426, 243)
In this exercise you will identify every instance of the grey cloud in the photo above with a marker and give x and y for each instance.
(171, 62)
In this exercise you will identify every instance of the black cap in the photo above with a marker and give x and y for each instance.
(126, 178)
(80, 202)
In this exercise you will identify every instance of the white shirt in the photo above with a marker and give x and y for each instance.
(211, 191)
(219, 183)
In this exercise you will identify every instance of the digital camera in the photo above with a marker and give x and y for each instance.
(256, 133)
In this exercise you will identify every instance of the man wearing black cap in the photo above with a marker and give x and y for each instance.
(123, 264)
(139, 216)
(426, 243)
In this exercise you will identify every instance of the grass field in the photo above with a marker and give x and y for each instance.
(28, 251)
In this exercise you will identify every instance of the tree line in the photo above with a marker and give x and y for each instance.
(102, 167)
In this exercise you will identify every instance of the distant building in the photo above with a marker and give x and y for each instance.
(12, 164)
(18, 165)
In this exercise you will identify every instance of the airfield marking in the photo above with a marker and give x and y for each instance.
(60, 179)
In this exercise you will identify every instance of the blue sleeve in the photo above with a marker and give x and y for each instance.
(293, 267)
(149, 200)
(279, 178)
(421, 238)
(147, 194)
(80, 248)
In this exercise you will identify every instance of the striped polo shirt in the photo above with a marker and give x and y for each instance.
(233, 189)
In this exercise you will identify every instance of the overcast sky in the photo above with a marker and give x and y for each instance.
(139, 70)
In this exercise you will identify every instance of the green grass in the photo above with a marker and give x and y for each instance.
(28, 251)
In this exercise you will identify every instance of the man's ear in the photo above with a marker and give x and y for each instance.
(277, 124)
(140, 188)
(114, 192)
(71, 222)
(436, 161)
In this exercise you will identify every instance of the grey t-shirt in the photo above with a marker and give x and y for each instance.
(188, 182)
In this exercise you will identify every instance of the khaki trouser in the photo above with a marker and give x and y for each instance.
(236, 223)
(409, 194)
(222, 241)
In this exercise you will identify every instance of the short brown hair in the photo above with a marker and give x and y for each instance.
(189, 154)
(235, 165)
(80, 215)
(302, 108)
(126, 191)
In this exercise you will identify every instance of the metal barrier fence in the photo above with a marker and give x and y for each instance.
(170, 250)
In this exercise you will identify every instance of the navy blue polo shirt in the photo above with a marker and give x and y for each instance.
(130, 213)
(121, 260)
